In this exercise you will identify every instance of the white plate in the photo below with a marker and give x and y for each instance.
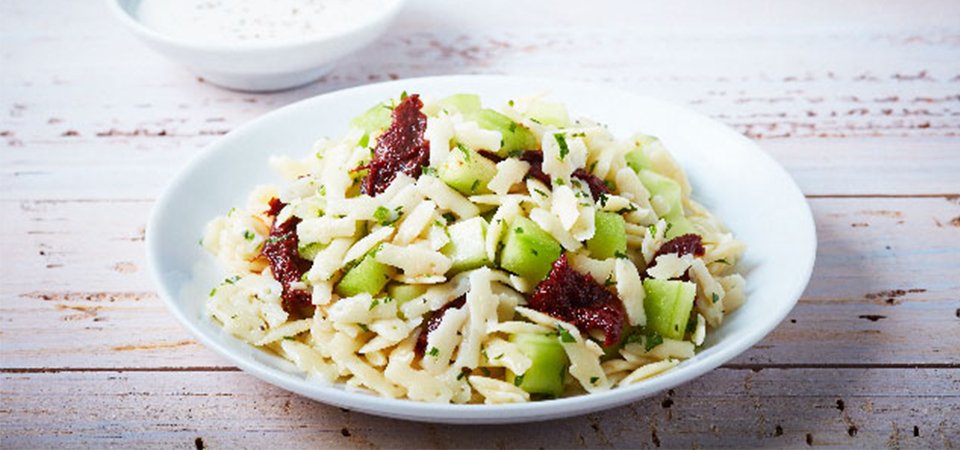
(733, 177)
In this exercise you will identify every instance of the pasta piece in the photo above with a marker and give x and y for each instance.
(367, 243)
(344, 354)
(509, 173)
(631, 292)
(445, 339)
(284, 331)
(495, 391)
(701, 331)
(648, 371)
(420, 385)
(329, 260)
(361, 308)
(564, 206)
(670, 266)
(414, 260)
(309, 360)
(501, 353)
(415, 222)
(446, 197)
(439, 132)
(481, 305)
(710, 294)
(325, 229)
(471, 135)
(500, 220)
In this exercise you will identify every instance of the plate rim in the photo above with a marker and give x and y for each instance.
(472, 413)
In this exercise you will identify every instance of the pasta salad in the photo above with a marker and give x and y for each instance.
(444, 251)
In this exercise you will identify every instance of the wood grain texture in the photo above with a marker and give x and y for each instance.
(859, 101)
(793, 408)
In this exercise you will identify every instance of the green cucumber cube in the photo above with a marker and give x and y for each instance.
(672, 207)
(462, 103)
(529, 251)
(403, 293)
(374, 119)
(309, 251)
(668, 304)
(516, 137)
(467, 247)
(369, 276)
(637, 160)
(466, 171)
(610, 237)
(546, 374)
(548, 113)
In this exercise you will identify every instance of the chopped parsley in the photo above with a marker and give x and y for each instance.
(434, 352)
(213, 292)
(715, 297)
(609, 281)
(619, 255)
(535, 252)
(565, 335)
(518, 380)
(363, 327)
(248, 235)
(374, 304)
(603, 199)
(722, 261)
(540, 192)
(474, 186)
(653, 230)
(559, 182)
(289, 338)
(465, 151)
(628, 209)
(579, 134)
(232, 279)
(518, 230)
(653, 339)
(692, 325)
(513, 127)
(594, 380)
(498, 357)
(562, 142)
(403, 95)
(449, 217)
(364, 140)
(462, 373)
(510, 102)
(429, 171)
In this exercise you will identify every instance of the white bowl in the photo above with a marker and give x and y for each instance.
(266, 66)
(730, 175)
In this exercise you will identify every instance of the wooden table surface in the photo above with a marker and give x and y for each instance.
(859, 100)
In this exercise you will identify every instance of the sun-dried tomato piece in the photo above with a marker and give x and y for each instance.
(535, 158)
(596, 184)
(401, 148)
(434, 321)
(577, 298)
(685, 244)
(285, 262)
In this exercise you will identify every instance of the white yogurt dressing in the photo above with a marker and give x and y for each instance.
(249, 21)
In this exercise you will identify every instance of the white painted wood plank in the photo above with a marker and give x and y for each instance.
(839, 408)
(80, 266)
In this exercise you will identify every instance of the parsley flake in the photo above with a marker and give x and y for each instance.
(434, 352)
(562, 142)
(565, 335)
(248, 235)
(594, 380)
(653, 339)
(518, 380)
(374, 304)
(715, 297)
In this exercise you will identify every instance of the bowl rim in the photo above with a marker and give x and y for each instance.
(148, 33)
(481, 413)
